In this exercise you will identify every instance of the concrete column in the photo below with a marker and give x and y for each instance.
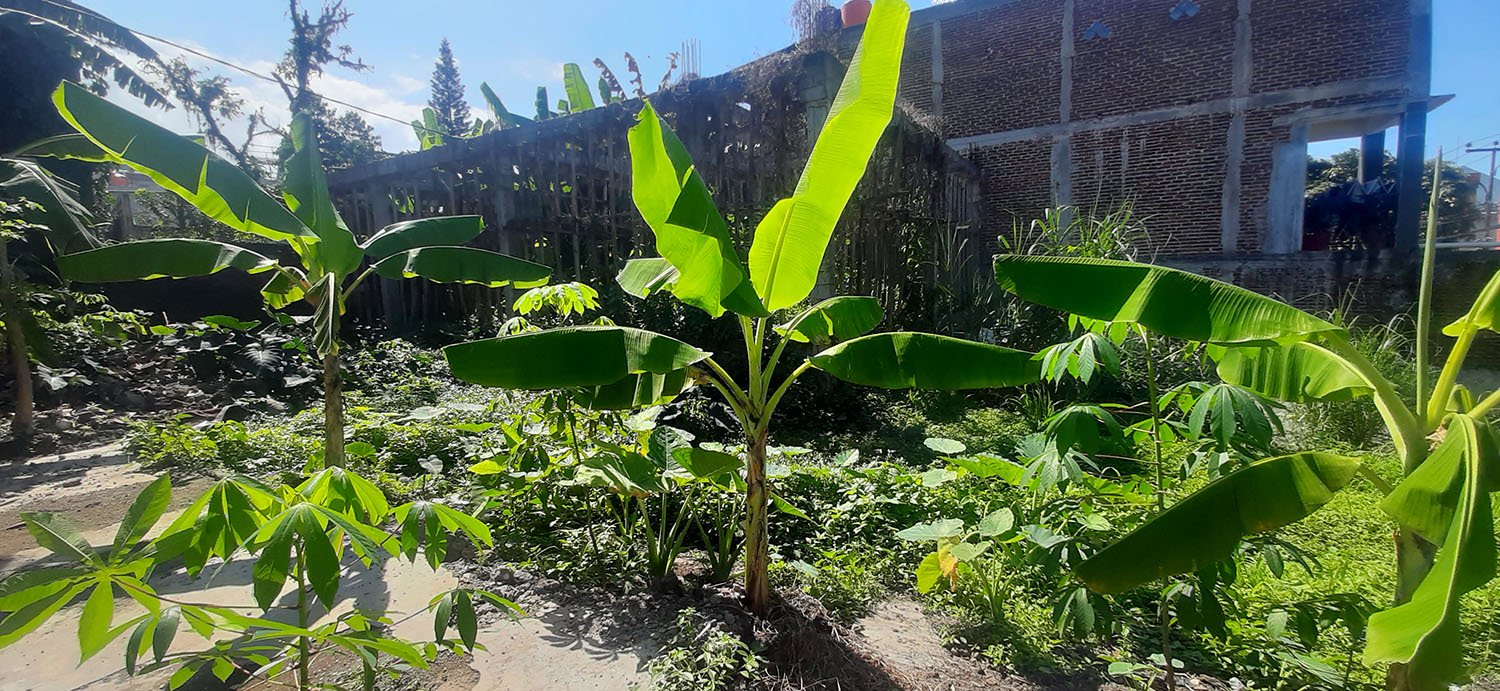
(1062, 144)
(1288, 184)
(937, 72)
(1412, 148)
(1371, 156)
(1234, 142)
(1410, 160)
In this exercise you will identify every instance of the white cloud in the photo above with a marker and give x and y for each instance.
(398, 96)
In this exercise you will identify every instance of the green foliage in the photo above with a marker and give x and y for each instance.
(702, 658)
(171, 443)
(447, 100)
(293, 533)
(1441, 499)
(330, 257)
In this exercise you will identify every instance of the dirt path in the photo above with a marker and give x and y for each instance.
(908, 644)
(92, 488)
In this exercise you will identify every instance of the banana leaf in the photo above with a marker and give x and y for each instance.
(926, 361)
(1170, 302)
(1297, 373)
(838, 318)
(642, 277)
(426, 232)
(673, 199)
(1207, 526)
(790, 241)
(1425, 632)
(215, 186)
(464, 265)
(65, 220)
(634, 391)
(67, 147)
(572, 357)
(167, 258)
(577, 87)
(306, 194)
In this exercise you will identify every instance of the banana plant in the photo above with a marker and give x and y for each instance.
(699, 265)
(32, 199)
(430, 133)
(333, 263)
(579, 97)
(1445, 545)
(503, 118)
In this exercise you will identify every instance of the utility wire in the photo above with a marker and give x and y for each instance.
(238, 68)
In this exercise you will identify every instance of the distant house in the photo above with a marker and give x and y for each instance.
(130, 214)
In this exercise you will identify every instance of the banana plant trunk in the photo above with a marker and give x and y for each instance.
(23, 424)
(1414, 557)
(757, 540)
(333, 411)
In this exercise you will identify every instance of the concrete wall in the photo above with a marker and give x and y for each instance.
(1374, 287)
(1198, 110)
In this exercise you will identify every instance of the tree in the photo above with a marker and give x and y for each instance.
(332, 263)
(1458, 206)
(447, 99)
(210, 101)
(103, 48)
(624, 368)
(1445, 546)
(345, 138)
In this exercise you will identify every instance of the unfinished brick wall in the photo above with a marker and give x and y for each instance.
(1093, 102)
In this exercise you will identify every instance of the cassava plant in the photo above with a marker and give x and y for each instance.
(295, 535)
(1444, 543)
(624, 367)
(333, 263)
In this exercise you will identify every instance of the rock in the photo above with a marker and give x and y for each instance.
(133, 399)
(236, 411)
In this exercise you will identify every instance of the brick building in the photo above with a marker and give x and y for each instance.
(1200, 111)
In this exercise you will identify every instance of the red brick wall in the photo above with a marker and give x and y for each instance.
(1300, 43)
(1003, 67)
(916, 70)
(1173, 173)
(1150, 61)
(1016, 182)
(1000, 68)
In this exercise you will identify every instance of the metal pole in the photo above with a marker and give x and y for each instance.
(1490, 219)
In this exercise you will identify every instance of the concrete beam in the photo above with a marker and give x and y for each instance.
(1355, 87)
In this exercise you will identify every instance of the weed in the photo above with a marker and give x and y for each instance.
(702, 657)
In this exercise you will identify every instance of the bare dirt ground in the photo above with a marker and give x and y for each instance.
(92, 488)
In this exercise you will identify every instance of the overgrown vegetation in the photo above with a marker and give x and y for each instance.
(1127, 503)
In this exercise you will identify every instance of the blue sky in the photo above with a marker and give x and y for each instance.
(517, 46)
